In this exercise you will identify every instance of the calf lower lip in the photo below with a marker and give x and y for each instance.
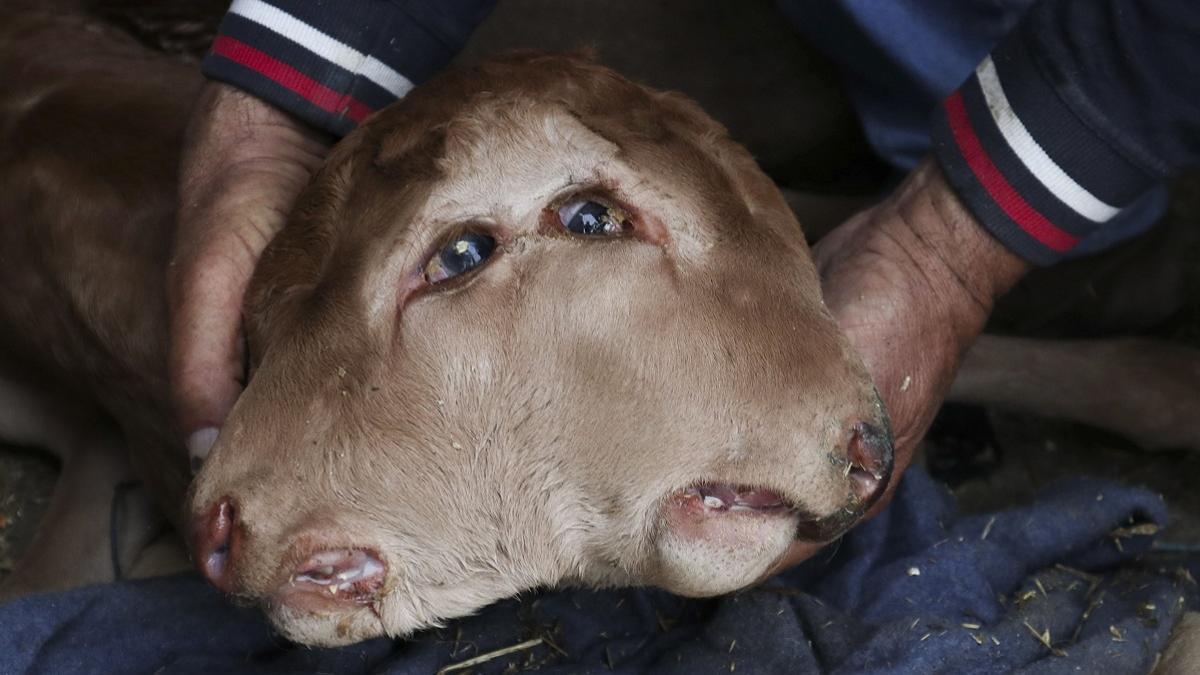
(717, 498)
(718, 537)
(714, 500)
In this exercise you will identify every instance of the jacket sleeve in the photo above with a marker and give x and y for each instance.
(1081, 109)
(333, 62)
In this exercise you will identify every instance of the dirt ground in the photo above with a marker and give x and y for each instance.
(26, 480)
(1028, 454)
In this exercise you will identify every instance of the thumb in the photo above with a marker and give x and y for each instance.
(206, 357)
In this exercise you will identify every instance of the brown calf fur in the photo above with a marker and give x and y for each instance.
(672, 405)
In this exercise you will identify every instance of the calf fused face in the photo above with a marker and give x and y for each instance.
(532, 325)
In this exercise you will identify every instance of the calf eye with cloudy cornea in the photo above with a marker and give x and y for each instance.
(459, 256)
(593, 219)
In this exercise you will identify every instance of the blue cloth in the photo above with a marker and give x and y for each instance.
(916, 590)
(899, 59)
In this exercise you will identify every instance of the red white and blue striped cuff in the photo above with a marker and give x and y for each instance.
(331, 64)
(1034, 173)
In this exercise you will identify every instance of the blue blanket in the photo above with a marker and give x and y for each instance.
(1048, 588)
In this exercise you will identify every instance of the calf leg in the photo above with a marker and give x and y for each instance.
(1143, 389)
(1182, 655)
(73, 545)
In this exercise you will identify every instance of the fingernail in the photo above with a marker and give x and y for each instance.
(199, 444)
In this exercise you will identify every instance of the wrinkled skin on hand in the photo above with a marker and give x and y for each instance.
(244, 162)
(912, 281)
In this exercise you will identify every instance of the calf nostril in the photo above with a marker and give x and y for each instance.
(870, 460)
(213, 543)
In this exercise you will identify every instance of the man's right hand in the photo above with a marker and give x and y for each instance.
(244, 162)
(911, 281)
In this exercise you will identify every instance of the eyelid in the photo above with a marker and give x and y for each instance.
(583, 192)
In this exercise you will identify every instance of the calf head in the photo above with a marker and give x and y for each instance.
(532, 325)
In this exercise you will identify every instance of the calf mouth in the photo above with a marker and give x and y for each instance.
(867, 471)
(715, 499)
(717, 537)
(332, 580)
(707, 502)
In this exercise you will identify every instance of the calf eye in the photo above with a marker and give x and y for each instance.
(459, 256)
(593, 219)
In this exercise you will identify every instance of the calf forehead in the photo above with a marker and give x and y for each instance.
(505, 156)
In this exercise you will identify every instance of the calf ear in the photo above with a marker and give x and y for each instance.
(298, 253)
(408, 155)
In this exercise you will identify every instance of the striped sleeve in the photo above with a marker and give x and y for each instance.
(334, 63)
(1084, 107)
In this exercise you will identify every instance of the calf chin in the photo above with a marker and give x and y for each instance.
(703, 552)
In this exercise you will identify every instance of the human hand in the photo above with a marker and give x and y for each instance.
(243, 164)
(912, 281)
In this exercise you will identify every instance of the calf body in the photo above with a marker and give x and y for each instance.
(87, 163)
(660, 400)
(90, 141)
